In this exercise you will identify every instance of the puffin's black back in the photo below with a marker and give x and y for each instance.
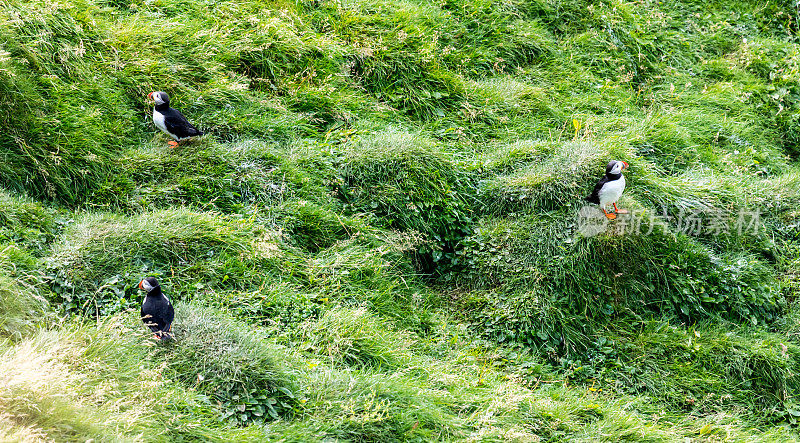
(157, 311)
(177, 124)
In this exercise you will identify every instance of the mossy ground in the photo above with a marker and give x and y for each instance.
(379, 239)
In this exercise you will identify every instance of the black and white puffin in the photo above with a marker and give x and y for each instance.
(157, 311)
(610, 188)
(170, 121)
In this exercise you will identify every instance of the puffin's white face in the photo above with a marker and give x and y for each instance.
(157, 98)
(146, 285)
(618, 167)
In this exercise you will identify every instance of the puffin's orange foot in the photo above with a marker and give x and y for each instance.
(609, 215)
(172, 143)
(619, 211)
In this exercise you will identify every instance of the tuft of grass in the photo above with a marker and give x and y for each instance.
(232, 364)
(21, 308)
(563, 179)
(106, 255)
(357, 149)
(410, 187)
(314, 227)
(199, 175)
(357, 338)
(27, 223)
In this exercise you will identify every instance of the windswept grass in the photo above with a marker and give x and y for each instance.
(357, 338)
(85, 382)
(410, 187)
(231, 364)
(381, 237)
(21, 308)
(106, 255)
(27, 223)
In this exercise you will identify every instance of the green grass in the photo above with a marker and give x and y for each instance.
(232, 365)
(355, 338)
(98, 268)
(21, 308)
(378, 238)
(96, 382)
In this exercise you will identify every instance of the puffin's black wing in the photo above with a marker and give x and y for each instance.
(149, 318)
(169, 317)
(177, 124)
(158, 314)
(595, 197)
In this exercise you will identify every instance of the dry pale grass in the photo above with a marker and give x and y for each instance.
(77, 384)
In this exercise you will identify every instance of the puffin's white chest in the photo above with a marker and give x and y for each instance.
(611, 191)
(158, 119)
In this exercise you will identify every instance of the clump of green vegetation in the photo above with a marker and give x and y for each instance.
(382, 235)
(355, 337)
(27, 223)
(560, 180)
(107, 255)
(314, 227)
(204, 177)
(20, 308)
(411, 188)
(234, 366)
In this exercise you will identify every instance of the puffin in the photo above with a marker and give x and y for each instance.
(157, 311)
(609, 188)
(170, 121)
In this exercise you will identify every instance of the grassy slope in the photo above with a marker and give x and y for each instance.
(377, 241)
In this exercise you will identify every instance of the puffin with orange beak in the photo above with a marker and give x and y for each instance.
(610, 188)
(157, 311)
(170, 121)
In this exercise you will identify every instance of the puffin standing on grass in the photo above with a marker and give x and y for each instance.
(157, 311)
(170, 121)
(609, 188)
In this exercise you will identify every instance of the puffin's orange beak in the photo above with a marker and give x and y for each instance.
(150, 96)
(140, 286)
(626, 165)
